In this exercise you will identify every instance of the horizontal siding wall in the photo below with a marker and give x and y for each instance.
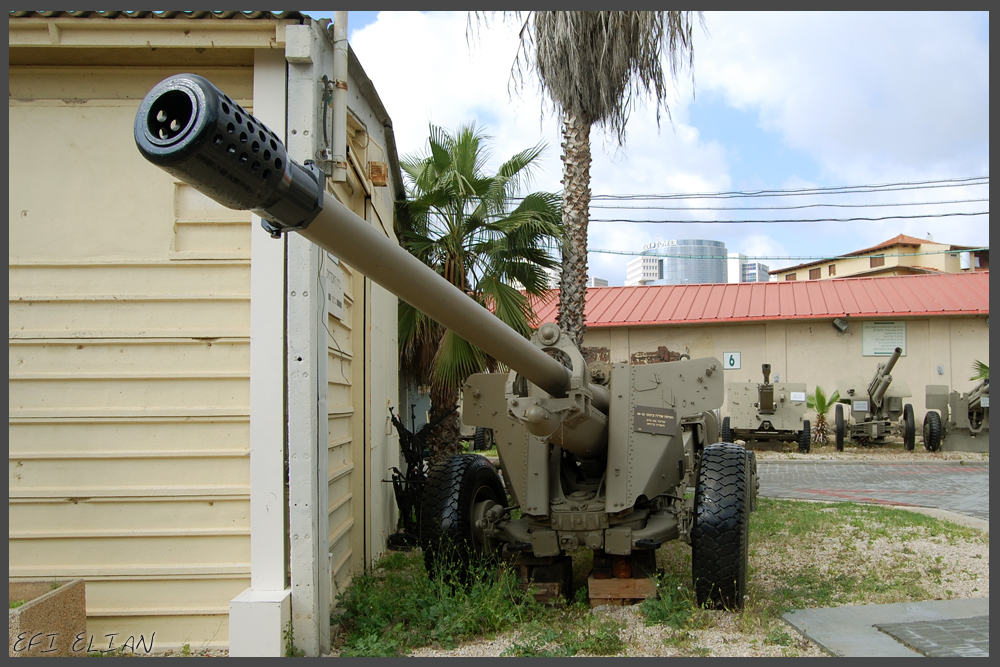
(128, 362)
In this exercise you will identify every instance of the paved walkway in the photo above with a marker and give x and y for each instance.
(913, 629)
(935, 628)
(962, 487)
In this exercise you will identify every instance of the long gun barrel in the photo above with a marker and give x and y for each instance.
(880, 383)
(192, 130)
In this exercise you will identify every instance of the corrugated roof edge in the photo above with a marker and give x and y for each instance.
(929, 295)
(281, 16)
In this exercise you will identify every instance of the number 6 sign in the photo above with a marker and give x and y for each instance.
(731, 361)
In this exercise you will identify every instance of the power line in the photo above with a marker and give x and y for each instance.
(786, 208)
(784, 257)
(843, 189)
(793, 221)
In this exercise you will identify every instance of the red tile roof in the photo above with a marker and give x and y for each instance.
(887, 296)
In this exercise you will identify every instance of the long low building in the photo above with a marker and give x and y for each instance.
(815, 332)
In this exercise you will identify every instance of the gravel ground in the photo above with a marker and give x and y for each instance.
(956, 570)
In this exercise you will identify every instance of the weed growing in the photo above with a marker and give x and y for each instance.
(802, 555)
(587, 636)
(397, 607)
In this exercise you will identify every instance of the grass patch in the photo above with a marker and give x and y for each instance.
(397, 607)
(584, 636)
(802, 555)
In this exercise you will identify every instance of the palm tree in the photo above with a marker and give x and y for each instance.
(458, 220)
(592, 65)
(822, 405)
(980, 371)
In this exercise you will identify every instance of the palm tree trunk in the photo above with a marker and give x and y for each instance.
(443, 440)
(576, 215)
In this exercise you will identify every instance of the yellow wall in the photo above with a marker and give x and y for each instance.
(128, 362)
(814, 352)
(897, 260)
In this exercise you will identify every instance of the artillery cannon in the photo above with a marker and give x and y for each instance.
(598, 461)
(767, 412)
(957, 421)
(880, 414)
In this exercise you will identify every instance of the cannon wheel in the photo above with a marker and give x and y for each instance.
(909, 428)
(805, 441)
(727, 432)
(482, 439)
(719, 539)
(932, 431)
(457, 493)
(838, 426)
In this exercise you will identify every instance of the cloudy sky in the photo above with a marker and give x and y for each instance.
(784, 101)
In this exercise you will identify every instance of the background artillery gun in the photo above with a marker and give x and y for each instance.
(957, 421)
(767, 412)
(604, 465)
(880, 414)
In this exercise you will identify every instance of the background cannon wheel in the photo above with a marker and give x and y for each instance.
(909, 428)
(457, 493)
(719, 539)
(838, 426)
(482, 440)
(726, 433)
(932, 431)
(805, 438)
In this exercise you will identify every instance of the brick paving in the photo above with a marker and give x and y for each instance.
(962, 487)
(947, 638)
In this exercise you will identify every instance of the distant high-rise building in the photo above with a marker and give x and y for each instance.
(643, 270)
(597, 282)
(755, 272)
(742, 270)
(679, 262)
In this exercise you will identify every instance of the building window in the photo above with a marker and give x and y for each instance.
(790, 276)
(813, 274)
(877, 260)
(832, 271)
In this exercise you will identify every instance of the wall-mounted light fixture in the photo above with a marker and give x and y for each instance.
(840, 324)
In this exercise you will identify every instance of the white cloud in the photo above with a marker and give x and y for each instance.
(872, 98)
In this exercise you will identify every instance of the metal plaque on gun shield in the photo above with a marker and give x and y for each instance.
(662, 421)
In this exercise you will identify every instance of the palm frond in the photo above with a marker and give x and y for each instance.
(980, 371)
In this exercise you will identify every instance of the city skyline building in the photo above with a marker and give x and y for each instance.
(679, 262)
(742, 270)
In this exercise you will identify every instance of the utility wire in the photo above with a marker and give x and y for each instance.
(844, 189)
(784, 208)
(788, 257)
(793, 221)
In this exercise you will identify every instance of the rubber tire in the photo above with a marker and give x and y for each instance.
(838, 426)
(932, 431)
(805, 438)
(909, 428)
(726, 433)
(482, 440)
(452, 488)
(721, 531)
